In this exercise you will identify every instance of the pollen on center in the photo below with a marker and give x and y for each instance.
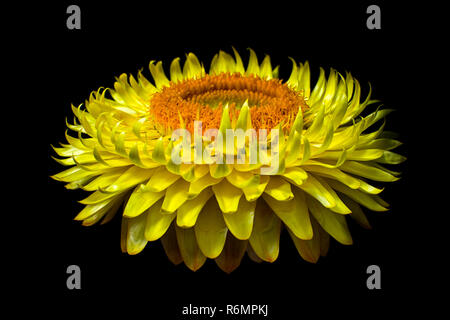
(181, 103)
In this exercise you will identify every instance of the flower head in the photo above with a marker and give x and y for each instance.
(216, 164)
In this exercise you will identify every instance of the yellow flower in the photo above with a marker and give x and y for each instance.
(312, 171)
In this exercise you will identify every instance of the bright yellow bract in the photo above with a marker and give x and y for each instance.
(121, 153)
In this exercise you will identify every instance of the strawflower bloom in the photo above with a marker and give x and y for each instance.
(312, 166)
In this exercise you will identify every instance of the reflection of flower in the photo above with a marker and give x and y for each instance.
(122, 152)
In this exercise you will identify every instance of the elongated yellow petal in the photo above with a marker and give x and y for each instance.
(232, 253)
(188, 212)
(367, 171)
(331, 222)
(227, 196)
(157, 222)
(253, 65)
(265, 238)
(324, 239)
(99, 196)
(161, 180)
(308, 249)
(187, 243)
(315, 189)
(279, 189)
(158, 74)
(240, 223)
(99, 207)
(339, 206)
(357, 212)
(294, 213)
(175, 71)
(105, 180)
(140, 200)
(210, 230)
(130, 178)
(336, 174)
(243, 179)
(295, 174)
(175, 196)
(254, 192)
(366, 200)
(170, 245)
(136, 241)
(199, 185)
(252, 254)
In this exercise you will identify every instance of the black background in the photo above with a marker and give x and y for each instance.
(123, 37)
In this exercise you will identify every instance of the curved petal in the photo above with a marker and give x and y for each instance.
(187, 243)
(279, 189)
(136, 240)
(188, 212)
(157, 222)
(161, 180)
(140, 200)
(176, 195)
(210, 230)
(265, 238)
(294, 213)
(331, 222)
(308, 249)
(227, 196)
(170, 245)
(240, 223)
(232, 254)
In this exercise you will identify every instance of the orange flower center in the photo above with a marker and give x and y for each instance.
(271, 102)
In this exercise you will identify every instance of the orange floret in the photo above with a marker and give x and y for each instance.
(270, 101)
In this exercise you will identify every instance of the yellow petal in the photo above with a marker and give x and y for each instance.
(357, 212)
(188, 212)
(294, 213)
(331, 222)
(97, 208)
(265, 238)
(170, 245)
(232, 253)
(161, 180)
(324, 240)
(295, 174)
(175, 71)
(252, 254)
(367, 171)
(279, 189)
(158, 74)
(336, 174)
(192, 67)
(315, 189)
(175, 196)
(240, 223)
(187, 243)
(339, 206)
(366, 200)
(157, 222)
(199, 185)
(227, 196)
(254, 192)
(308, 249)
(140, 200)
(210, 230)
(135, 235)
(243, 179)
(130, 178)
(253, 66)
